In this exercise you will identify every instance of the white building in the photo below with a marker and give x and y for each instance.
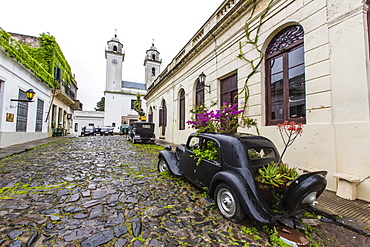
(51, 112)
(21, 121)
(120, 95)
(314, 70)
(87, 118)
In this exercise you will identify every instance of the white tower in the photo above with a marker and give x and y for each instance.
(115, 56)
(152, 65)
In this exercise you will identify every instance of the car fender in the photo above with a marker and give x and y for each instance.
(172, 162)
(254, 206)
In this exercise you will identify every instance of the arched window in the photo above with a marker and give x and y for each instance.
(199, 94)
(153, 56)
(150, 115)
(153, 71)
(115, 48)
(182, 110)
(163, 117)
(285, 77)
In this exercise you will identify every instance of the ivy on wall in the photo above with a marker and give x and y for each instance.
(252, 39)
(42, 60)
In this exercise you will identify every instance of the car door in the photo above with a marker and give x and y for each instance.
(207, 168)
(187, 162)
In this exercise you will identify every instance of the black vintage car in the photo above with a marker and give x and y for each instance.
(230, 177)
(142, 132)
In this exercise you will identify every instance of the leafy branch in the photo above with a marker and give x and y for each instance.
(137, 106)
(252, 40)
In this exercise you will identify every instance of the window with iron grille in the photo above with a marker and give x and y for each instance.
(39, 115)
(22, 112)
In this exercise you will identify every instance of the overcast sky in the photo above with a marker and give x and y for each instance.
(83, 27)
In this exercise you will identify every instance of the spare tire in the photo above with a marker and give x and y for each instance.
(303, 192)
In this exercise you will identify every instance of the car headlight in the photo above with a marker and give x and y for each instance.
(310, 199)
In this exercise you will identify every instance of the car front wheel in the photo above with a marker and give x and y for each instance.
(162, 165)
(228, 204)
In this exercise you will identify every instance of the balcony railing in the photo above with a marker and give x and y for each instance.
(65, 94)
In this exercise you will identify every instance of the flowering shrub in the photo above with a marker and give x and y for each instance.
(291, 130)
(224, 120)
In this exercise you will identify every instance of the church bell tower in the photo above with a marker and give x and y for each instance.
(115, 56)
(152, 65)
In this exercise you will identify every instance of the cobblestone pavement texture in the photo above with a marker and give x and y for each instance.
(105, 191)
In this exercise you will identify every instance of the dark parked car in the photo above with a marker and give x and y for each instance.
(230, 178)
(106, 130)
(88, 131)
(142, 132)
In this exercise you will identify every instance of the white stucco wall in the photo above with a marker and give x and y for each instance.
(118, 105)
(13, 77)
(336, 136)
(86, 118)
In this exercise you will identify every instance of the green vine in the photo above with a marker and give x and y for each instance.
(41, 60)
(252, 40)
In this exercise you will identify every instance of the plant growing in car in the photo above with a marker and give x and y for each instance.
(276, 174)
(274, 179)
(208, 151)
(279, 174)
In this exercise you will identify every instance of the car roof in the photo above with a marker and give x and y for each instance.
(140, 122)
(234, 144)
(249, 139)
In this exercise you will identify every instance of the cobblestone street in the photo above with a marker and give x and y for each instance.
(106, 191)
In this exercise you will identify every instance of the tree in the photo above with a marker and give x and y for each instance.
(100, 106)
(137, 106)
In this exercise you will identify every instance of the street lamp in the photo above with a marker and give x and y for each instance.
(30, 94)
(202, 80)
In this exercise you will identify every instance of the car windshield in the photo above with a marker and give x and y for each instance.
(90, 127)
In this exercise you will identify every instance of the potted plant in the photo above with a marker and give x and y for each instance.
(272, 179)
